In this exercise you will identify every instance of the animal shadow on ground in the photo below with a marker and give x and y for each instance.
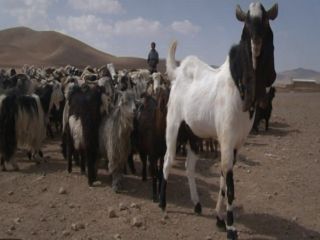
(280, 129)
(49, 166)
(178, 188)
(276, 227)
(247, 161)
(203, 166)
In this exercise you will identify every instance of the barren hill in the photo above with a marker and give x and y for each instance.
(20, 45)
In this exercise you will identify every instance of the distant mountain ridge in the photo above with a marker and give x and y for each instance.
(21, 45)
(301, 73)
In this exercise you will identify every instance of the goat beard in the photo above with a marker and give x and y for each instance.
(255, 50)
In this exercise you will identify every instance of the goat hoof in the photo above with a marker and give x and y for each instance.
(232, 235)
(221, 225)
(198, 208)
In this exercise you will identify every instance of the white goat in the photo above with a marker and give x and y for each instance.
(219, 103)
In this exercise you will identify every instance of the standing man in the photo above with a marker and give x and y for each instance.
(153, 58)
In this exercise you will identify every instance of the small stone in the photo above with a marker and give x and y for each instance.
(9, 232)
(135, 205)
(62, 190)
(52, 205)
(269, 196)
(137, 221)
(65, 233)
(12, 228)
(165, 216)
(294, 219)
(208, 238)
(77, 226)
(96, 183)
(275, 193)
(248, 171)
(17, 220)
(122, 207)
(33, 233)
(44, 189)
(268, 154)
(43, 219)
(117, 236)
(71, 205)
(10, 193)
(163, 221)
(112, 213)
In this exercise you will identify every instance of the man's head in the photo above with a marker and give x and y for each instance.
(153, 45)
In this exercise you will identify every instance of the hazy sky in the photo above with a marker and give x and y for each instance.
(206, 28)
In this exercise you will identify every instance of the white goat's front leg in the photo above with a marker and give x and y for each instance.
(171, 141)
(227, 160)
(190, 166)
(222, 193)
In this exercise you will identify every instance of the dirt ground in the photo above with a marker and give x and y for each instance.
(277, 179)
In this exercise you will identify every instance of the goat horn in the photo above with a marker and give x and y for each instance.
(273, 12)
(241, 15)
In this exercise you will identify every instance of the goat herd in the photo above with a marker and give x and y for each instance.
(106, 116)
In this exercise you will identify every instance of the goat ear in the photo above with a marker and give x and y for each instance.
(273, 12)
(241, 15)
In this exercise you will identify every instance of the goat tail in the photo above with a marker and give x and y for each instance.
(171, 64)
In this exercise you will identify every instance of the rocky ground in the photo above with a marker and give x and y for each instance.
(277, 188)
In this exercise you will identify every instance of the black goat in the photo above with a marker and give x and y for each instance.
(86, 106)
(264, 109)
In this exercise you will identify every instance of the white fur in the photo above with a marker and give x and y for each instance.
(30, 128)
(76, 131)
(56, 96)
(190, 167)
(220, 198)
(140, 78)
(255, 10)
(112, 70)
(208, 100)
(156, 81)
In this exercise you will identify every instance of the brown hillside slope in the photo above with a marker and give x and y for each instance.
(20, 45)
